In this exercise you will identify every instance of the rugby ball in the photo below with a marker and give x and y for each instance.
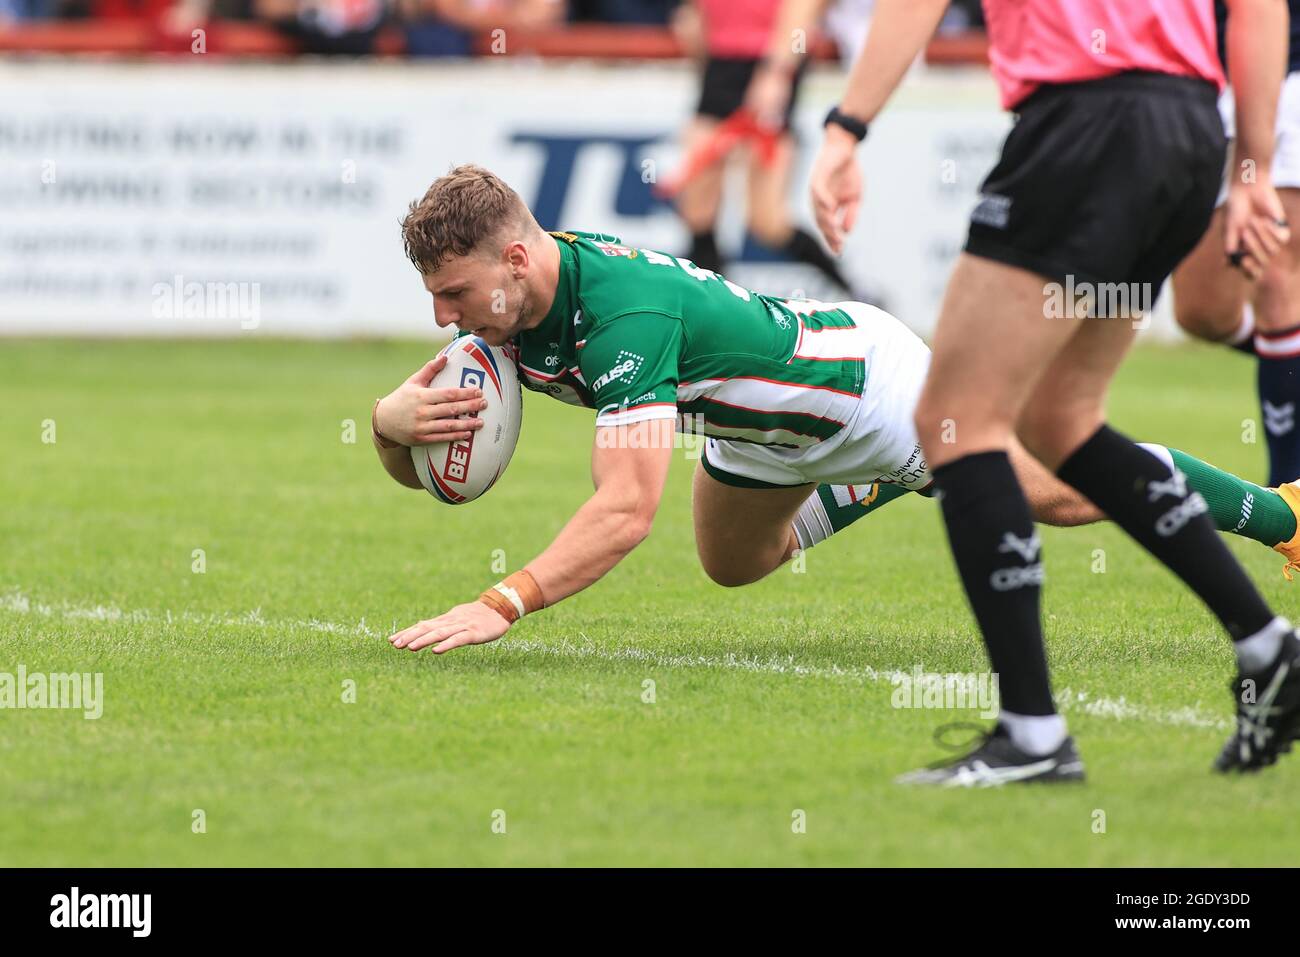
(461, 471)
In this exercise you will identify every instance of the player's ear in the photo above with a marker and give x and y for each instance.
(516, 254)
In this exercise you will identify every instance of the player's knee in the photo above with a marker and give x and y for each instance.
(931, 421)
(1035, 428)
(1206, 320)
(731, 574)
(735, 581)
(1050, 430)
(734, 567)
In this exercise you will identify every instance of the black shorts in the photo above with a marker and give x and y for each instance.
(722, 90)
(1104, 181)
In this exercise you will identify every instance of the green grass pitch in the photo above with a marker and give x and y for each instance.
(224, 691)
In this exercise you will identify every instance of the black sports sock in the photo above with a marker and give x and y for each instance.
(1167, 518)
(704, 251)
(996, 548)
(1278, 380)
(806, 249)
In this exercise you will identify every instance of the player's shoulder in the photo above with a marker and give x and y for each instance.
(606, 289)
(595, 248)
(575, 237)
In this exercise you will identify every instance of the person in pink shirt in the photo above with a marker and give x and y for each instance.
(1107, 180)
(753, 55)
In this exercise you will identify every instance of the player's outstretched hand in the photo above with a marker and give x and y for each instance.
(836, 187)
(472, 623)
(414, 414)
(1255, 225)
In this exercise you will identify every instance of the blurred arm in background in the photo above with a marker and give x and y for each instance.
(769, 89)
(687, 25)
(899, 31)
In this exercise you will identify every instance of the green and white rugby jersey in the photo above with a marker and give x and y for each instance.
(638, 334)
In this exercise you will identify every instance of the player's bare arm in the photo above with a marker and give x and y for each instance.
(1254, 224)
(899, 31)
(629, 465)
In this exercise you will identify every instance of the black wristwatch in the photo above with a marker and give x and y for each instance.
(846, 122)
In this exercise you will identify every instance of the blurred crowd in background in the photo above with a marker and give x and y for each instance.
(429, 27)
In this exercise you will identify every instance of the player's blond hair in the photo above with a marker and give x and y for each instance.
(459, 213)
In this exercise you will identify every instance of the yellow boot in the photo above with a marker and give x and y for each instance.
(1290, 493)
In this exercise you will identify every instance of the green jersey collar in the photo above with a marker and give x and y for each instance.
(565, 303)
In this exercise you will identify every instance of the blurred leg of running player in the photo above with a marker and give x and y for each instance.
(1046, 379)
(1210, 295)
(1277, 345)
(754, 61)
(1210, 302)
(700, 198)
(1106, 181)
(768, 210)
(1210, 298)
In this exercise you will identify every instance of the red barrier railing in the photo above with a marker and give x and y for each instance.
(242, 38)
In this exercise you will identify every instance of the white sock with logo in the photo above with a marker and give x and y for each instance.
(1034, 734)
(811, 523)
(1261, 649)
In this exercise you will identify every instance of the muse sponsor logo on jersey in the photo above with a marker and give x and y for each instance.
(74, 909)
(625, 370)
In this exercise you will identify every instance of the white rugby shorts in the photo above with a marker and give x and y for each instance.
(1286, 152)
(877, 444)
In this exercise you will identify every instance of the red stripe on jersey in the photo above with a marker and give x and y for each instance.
(534, 374)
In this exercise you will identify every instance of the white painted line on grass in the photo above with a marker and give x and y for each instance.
(1067, 699)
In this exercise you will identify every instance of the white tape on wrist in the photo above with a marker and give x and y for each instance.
(512, 596)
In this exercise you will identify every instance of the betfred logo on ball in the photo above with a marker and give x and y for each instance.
(456, 468)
